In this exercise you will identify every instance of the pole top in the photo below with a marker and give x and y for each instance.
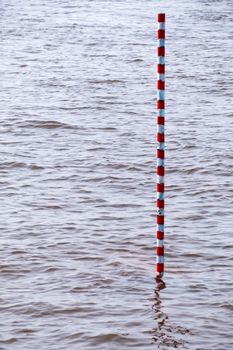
(161, 17)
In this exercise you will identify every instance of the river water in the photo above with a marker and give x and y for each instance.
(77, 176)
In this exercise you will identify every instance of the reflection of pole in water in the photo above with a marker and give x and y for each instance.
(158, 334)
(164, 334)
(160, 146)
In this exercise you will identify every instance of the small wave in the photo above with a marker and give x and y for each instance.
(78, 289)
(18, 251)
(75, 336)
(9, 341)
(227, 306)
(52, 206)
(51, 269)
(106, 81)
(11, 165)
(189, 171)
(136, 60)
(120, 206)
(41, 309)
(111, 338)
(26, 331)
(50, 124)
(106, 129)
(62, 311)
(13, 270)
(35, 167)
(96, 149)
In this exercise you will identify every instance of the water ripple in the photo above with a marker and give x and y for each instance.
(78, 184)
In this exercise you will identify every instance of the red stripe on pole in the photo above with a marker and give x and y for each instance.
(160, 137)
(160, 220)
(160, 120)
(161, 68)
(160, 85)
(161, 51)
(160, 188)
(160, 154)
(160, 204)
(161, 17)
(160, 268)
(160, 104)
(159, 235)
(160, 251)
(160, 170)
(161, 34)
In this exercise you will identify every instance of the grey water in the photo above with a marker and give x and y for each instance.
(77, 175)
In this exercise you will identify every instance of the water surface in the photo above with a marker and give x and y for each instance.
(77, 176)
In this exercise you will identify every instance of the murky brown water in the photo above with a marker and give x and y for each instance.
(77, 176)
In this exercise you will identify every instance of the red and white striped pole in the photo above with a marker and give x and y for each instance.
(160, 146)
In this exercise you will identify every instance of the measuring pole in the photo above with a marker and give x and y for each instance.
(160, 145)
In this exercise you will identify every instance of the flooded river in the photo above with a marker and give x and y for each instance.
(77, 176)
